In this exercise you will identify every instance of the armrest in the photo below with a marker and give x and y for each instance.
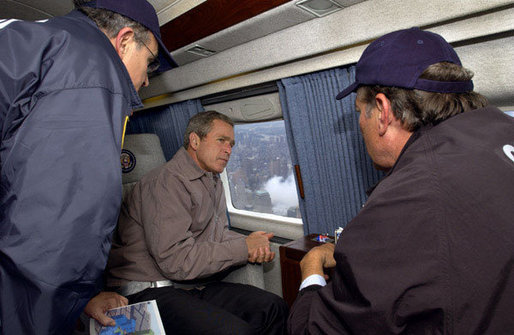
(250, 274)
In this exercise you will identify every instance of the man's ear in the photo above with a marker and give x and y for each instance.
(122, 41)
(194, 140)
(385, 113)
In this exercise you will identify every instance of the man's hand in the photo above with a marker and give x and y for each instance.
(101, 303)
(318, 258)
(258, 247)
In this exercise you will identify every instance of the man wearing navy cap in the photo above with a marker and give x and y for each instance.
(67, 86)
(432, 250)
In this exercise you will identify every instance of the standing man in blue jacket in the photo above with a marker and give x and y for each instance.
(67, 86)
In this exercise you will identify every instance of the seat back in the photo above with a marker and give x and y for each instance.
(141, 153)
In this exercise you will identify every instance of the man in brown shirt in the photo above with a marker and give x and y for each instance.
(173, 238)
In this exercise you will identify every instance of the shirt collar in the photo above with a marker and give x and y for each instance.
(193, 171)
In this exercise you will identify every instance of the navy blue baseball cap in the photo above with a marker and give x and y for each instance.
(398, 59)
(143, 13)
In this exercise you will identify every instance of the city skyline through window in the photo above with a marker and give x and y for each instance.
(260, 171)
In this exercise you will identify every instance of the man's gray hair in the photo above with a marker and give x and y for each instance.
(201, 124)
(111, 22)
(415, 108)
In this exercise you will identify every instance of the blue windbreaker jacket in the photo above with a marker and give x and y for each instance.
(64, 96)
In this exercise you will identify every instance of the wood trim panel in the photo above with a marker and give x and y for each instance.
(210, 17)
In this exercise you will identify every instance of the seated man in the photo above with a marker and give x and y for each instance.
(173, 238)
(432, 250)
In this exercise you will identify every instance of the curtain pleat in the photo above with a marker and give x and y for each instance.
(168, 122)
(325, 141)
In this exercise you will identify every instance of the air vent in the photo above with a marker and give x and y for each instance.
(200, 51)
(319, 7)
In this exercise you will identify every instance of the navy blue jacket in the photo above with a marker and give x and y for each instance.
(64, 96)
(432, 251)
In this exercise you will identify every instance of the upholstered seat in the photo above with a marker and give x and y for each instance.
(141, 153)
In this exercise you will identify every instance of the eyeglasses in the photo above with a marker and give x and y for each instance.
(154, 65)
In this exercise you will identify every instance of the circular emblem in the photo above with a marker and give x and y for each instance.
(509, 151)
(128, 161)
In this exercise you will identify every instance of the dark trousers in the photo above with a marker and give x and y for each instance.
(219, 308)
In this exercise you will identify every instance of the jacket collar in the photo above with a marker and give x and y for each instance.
(134, 99)
(417, 134)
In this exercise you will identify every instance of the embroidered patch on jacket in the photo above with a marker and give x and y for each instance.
(128, 161)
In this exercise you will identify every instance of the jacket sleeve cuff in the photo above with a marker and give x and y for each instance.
(309, 289)
(240, 250)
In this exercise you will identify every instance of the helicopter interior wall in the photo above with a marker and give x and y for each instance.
(339, 39)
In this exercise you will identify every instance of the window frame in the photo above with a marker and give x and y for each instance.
(281, 226)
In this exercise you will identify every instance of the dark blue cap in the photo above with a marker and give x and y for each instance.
(398, 59)
(142, 12)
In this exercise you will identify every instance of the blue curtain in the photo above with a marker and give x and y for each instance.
(325, 141)
(169, 123)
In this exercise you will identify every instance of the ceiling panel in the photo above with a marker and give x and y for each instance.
(168, 10)
(269, 22)
(215, 24)
(33, 9)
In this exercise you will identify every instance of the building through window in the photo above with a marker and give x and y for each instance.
(260, 171)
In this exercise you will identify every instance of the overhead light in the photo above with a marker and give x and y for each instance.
(200, 51)
(319, 7)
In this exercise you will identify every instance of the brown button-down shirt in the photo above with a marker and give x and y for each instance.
(174, 226)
